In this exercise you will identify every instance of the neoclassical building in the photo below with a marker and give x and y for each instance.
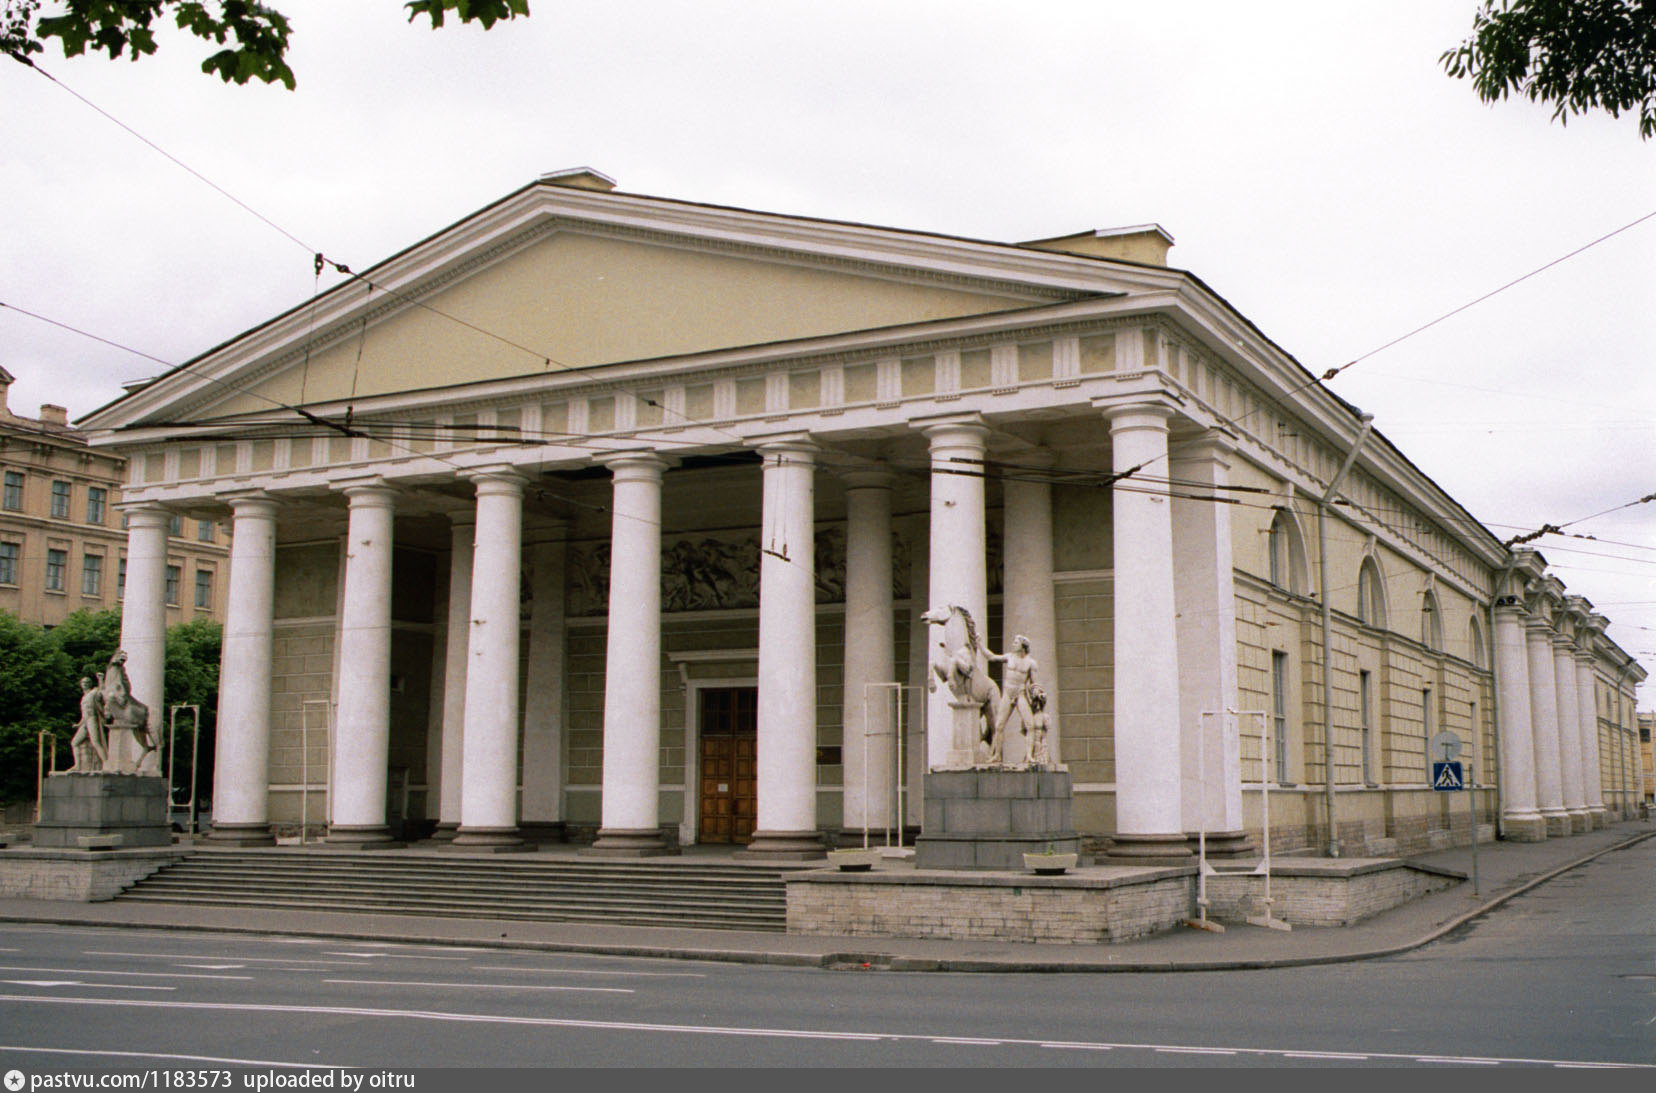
(616, 515)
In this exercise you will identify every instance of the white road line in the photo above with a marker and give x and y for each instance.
(482, 986)
(1196, 1051)
(705, 1030)
(167, 1055)
(142, 975)
(398, 956)
(245, 959)
(590, 971)
(967, 1040)
(1457, 1060)
(1070, 1046)
(78, 983)
(1323, 1055)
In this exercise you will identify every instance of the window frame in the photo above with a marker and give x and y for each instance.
(11, 491)
(204, 589)
(57, 570)
(92, 574)
(97, 505)
(174, 579)
(11, 559)
(1281, 681)
(63, 493)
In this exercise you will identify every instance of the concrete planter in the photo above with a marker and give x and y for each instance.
(1046, 865)
(854, 859)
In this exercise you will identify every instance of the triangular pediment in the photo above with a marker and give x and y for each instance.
(557, 278)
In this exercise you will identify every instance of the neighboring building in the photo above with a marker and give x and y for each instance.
(62, 540)
(649, 497)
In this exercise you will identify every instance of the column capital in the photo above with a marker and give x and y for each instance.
(1510, 608)
(144, 513)
(960, 429)
(643, 464)
(250, 503)
(1136, 411)
(369, 491)
(792, 440)
(867, 478)
(496, 480)
(1216, 444)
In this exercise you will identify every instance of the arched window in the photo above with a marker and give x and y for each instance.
(1371, 595)
(1285, 553)
(1478, 654)
(1431, 622)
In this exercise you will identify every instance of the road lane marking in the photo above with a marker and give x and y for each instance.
(1323, 1055)
(1075, 1046)
(1196, 1051)
(482, 986)
(966, 1040)
(214, 967)
(591, 971)
(244, 959)
(267, 1009)
(398, 956)
(226, 1060)
(99, 971)
(79, 983)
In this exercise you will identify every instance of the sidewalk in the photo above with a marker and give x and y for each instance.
(1505, 870)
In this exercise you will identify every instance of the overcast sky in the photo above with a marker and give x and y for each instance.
(1311, 159)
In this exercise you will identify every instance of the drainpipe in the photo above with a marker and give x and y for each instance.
(1328, 629)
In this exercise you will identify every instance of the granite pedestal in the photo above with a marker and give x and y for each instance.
(133, 806)
(989, 819)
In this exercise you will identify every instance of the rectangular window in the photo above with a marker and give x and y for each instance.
(1426, 725)
(175, 526)
(120, 579)
(60, 500)
(1279, 715)
(57, 561)
(92, 575)
(204, 531)
(12, 498)
(204, 588)
(173, 576)
(96, 497)
(1365, 710)
(9, 553)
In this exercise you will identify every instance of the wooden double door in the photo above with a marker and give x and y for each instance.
(728, 718)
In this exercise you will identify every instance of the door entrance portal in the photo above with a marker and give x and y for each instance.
(729, 726)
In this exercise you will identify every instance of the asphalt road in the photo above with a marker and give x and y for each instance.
(1563, 975)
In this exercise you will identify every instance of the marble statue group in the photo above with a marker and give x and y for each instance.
(962, 665)
(109, 717)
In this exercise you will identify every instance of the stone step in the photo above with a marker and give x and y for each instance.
(652, 893)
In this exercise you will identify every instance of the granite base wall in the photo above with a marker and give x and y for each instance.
(77, 876)
(1324, 893)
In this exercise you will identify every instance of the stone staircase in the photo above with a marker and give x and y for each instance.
(655, 892)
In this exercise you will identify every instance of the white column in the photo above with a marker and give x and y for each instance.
(1204, 594)
(241, 774)
(488, 765)
(869, 752)
(630, 818)
(543, 703)
(958, 568)
(362, 737)
(1549, 781)
(1587, 704)
(462, 542)
(144, 629)
(1521, 817)
(1569, 733)
(1027, 603)
(786, 822)
(1148, 764)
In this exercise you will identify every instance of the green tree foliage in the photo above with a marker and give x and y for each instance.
(254, 34)
(1578, 55)
(40, 673)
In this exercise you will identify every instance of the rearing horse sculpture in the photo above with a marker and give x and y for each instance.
(963, 667)
(124, 713)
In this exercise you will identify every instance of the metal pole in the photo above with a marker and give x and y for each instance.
(1472, 795)
(1367, 421)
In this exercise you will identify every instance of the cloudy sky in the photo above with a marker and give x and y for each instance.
(1312, 161)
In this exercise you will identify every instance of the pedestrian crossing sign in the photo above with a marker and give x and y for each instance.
(1447, 776)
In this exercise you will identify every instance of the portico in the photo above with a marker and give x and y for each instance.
(484, 598)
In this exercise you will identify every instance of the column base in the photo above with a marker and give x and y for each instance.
(1524, 829)
(1558, 824)
(488, 840)
(1225, 844)
(787, 845)
(1580, 821)
(1150, 850)
(1599, 818)
(240, 835)
(647, 842)
(445, 832)
(377, 837)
